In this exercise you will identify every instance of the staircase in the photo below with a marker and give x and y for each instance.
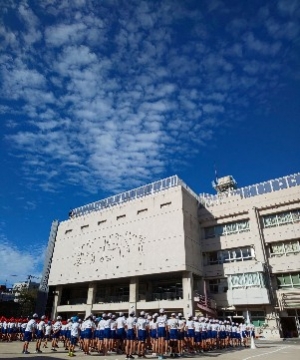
(207, 305)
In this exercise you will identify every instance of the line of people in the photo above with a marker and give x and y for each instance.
(138, 335)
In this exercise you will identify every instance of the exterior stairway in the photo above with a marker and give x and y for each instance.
(207, 305)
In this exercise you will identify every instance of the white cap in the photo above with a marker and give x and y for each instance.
(179, 314)
(161, 311)
(142, 313)
(59, 317)
(43, 317)
(35, 315)
(173, 314)
(195, 318)
(121, 314)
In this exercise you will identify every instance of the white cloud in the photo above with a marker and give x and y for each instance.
(118, 96)
(20, 262)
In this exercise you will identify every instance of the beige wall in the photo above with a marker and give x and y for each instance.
(143, 236)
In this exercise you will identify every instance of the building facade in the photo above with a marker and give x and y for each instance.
(235, 254)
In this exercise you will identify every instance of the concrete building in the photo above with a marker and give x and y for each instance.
(235, 254)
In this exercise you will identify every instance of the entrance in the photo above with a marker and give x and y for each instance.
(289, 327)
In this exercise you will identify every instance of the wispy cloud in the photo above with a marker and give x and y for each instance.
(19, 262)
(114, 94)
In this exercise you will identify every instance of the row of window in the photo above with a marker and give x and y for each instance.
(253, 279)
(231, 255)
(285, 247)
(287, 217)
(119, 217)
(226, 229)
(290, 280)
(282, 218)
(236, 281)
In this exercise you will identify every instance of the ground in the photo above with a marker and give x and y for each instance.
(265, 350)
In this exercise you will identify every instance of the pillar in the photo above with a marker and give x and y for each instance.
(133, 293)
(188, 296)
(90, 298)
(56, 301)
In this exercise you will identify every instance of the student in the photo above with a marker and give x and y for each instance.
(29, 332)
(173, 334)
(56, 333)
(130, 335)
(40, 334)
(48, 330)
(121, 334)
(161, 332)
(89, 328)
(180, 335)
(74, 335)
(142, 328)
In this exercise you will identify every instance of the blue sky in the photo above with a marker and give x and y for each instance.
(97, 97)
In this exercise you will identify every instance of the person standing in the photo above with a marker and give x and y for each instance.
(56, 333)
(40, 334)
(29, 332)
(75, 331)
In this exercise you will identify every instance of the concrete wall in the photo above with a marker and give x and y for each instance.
(143, 236)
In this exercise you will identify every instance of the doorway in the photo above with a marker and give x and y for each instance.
(289, 327)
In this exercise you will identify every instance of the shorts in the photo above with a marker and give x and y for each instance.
(191, 333)
(56, 335)
(130, 334)
(204, 335)
(198, 337)
(153, 334)
(161, 332)
(88, 334)
(173, 334)
(107, 333)
(214, 334)
(120, 334)
(40, 334)
(27, 336)
(142, 335)
(74, 340)
(180, 335)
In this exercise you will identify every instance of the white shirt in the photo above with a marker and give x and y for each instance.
(172, 323)
(48, 329)
(31, 325)
(120, 322)
(41, 325)
(75, 329)
(141, 323)
(130, 323)
(161, 321)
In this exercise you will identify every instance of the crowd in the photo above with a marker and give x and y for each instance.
(139, 335)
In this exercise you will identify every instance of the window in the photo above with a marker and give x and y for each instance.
(217, 286)
(257, 317)
(285, 247)
(282, 218)
(288, 280)
(101, 222)
(246, 280)
(165, 204)
(230, 255)
(226, 229)
(141, 211)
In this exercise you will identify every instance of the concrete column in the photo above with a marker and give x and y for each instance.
(56, 301)
(90, 298)
(133, 293)
(188, 296)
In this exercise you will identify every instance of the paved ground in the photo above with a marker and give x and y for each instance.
(265, 350)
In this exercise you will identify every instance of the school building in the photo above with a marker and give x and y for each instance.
(234, 254)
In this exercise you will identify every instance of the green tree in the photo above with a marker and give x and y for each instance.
(27, 300)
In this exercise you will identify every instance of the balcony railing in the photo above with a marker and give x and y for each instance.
(112, 299)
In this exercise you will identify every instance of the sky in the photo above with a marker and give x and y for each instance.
(99, 97)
